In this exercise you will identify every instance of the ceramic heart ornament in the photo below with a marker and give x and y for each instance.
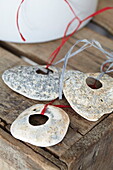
(26, 80)
(88, 102)
(48, 134)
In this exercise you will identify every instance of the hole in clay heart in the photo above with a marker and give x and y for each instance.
(93, 83)
(41, 72)
(37, 120)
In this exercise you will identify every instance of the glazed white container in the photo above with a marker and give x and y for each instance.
(41, 20)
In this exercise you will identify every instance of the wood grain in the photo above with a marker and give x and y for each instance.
(94, 150)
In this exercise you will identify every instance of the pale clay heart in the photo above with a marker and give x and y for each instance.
(48, 134)
(25, 80)
(87, 102)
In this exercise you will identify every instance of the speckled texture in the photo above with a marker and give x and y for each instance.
(25, 81)
(87, 102)
(48, 134)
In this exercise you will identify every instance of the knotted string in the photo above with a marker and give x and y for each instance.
(87, 44)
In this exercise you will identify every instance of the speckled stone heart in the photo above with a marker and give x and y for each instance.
(87, 102)
(48, 134)
(26, 81)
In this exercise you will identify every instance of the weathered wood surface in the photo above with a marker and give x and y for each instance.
(94, 150)
(105, 19)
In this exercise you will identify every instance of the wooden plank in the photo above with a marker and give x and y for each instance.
(105, 19)
(94, 150)
(12, 104)
(19, 156)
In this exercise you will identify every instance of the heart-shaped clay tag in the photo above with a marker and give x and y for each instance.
(44, 135)
(88, 102)
(28, 81)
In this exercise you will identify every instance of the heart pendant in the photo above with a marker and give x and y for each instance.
(91, 103)
(48, 134)
(28, 81)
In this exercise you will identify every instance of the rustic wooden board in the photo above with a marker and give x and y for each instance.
(105, 19)
(94, 150)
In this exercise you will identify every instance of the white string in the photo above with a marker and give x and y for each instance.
(87, 44)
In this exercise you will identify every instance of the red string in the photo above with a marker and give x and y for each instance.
(65, 39)
(17, 21)
(93, 86)
(45, 107)
(103, 68)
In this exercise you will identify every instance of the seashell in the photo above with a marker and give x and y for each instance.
(27, 81)
(48, 134)
(88, 102)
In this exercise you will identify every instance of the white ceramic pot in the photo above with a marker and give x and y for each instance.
(40, 20)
